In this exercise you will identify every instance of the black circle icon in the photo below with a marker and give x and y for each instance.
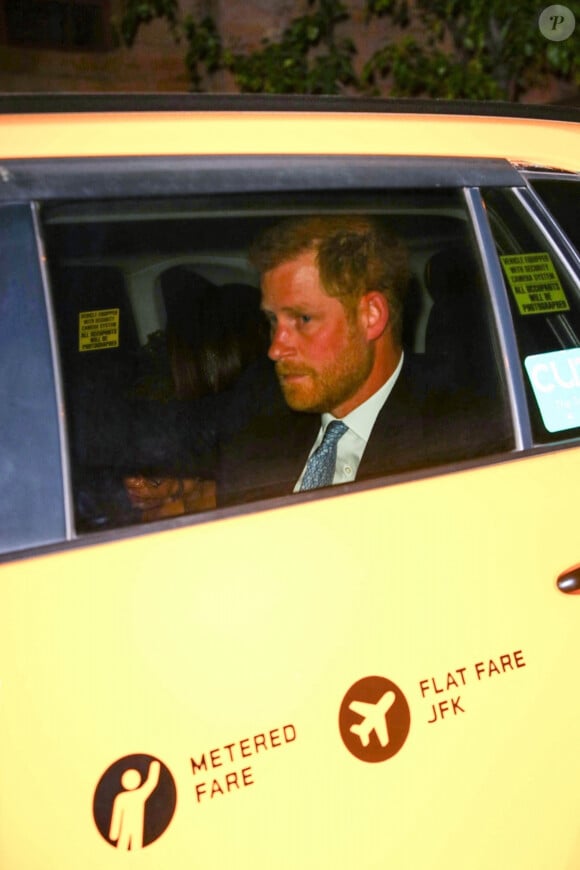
(374, 719)
(134, 802)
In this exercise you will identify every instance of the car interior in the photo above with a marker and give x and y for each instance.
(107, 263)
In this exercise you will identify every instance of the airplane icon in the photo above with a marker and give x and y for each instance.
(374, 718)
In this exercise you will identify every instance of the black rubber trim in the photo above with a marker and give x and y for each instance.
(115, 177)
(532, 174)
(184, 102)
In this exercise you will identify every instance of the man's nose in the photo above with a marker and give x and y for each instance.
(280, 343)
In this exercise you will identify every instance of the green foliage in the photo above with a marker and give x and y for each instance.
(435, 74)
(204, 48)
(452, 49)
(308, 58)
(476, 49)
(135, 13)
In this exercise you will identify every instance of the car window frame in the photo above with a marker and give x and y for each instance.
(504, 324)
(36, 506)
(39, 181)
(542, 207)
(541, 213)
(82, 178)
(564, 254)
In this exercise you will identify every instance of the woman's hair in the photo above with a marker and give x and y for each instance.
(355, 254)
(213, 333)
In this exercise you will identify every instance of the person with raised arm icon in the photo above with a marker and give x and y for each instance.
(128, 815)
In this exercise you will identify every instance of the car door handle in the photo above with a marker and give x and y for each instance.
(569, 581)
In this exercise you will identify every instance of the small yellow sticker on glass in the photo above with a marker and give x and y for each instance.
(99, 330)
(534, 283)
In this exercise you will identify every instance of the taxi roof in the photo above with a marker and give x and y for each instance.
(117, 125)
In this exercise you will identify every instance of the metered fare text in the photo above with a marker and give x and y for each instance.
(226, 768)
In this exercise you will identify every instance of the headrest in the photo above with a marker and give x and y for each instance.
(184, 290)
(450, 272)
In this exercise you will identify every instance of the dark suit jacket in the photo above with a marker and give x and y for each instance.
(421, 424)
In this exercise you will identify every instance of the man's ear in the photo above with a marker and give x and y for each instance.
(374, 312)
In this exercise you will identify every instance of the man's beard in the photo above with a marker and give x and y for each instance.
(326, 390)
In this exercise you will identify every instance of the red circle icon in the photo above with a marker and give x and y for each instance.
(374, 719)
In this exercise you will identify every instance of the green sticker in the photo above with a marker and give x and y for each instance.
(99, 330)
(534, 283)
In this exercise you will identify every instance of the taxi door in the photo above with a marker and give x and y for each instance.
(383, 679)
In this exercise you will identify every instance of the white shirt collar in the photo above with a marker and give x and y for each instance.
(363, 418)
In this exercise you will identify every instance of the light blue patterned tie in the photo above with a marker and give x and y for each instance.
(320, 467)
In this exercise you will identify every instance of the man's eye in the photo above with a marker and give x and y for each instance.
(305, 318)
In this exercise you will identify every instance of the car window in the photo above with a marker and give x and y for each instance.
(562, 197)
(173, 404)
(545, 304)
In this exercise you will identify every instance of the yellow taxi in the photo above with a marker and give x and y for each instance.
(379, 673)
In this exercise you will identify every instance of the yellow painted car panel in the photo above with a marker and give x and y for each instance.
(386, 678)
(525, 140)
(226, 652)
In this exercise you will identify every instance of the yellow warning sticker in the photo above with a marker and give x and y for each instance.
(534, 283)
(99, 330)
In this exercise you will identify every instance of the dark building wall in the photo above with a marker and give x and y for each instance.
(155, 63)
